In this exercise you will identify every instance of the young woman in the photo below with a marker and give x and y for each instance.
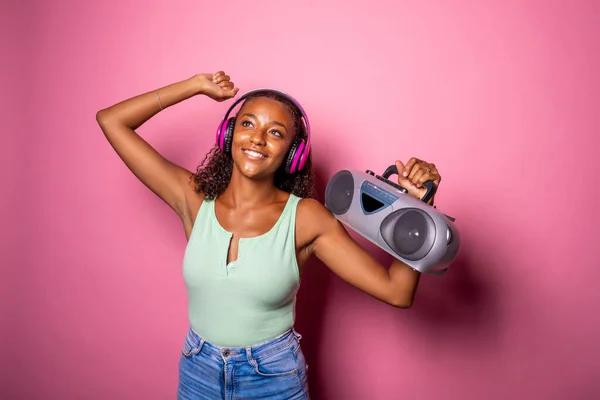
(251, 225)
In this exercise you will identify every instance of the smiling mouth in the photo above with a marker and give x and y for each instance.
(255, 155)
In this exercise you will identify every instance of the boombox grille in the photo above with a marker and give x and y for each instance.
(410, 232)
(339, 192)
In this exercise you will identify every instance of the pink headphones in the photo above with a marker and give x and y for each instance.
(299, 150)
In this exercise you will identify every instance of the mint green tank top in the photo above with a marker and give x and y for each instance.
(247, 301)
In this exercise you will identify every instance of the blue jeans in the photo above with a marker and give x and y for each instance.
(273, 370)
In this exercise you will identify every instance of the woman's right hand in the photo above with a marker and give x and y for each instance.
(216, 86)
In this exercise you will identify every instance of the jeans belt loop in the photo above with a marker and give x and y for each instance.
(249, 356)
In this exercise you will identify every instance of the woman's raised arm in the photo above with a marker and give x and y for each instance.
(119, 122)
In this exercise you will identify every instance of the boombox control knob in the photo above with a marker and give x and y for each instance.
(370, 172)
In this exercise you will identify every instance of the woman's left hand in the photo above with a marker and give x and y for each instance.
(416, 172)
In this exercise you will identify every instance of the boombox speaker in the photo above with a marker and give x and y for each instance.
(404, 226)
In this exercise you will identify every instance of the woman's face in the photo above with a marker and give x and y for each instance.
(263, 133)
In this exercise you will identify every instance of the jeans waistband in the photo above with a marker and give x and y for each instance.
(196, 344)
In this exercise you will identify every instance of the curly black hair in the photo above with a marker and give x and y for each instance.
(214, 172)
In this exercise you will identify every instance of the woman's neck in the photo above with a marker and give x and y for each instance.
(243, 192)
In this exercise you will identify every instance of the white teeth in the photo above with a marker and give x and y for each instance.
(254, 153)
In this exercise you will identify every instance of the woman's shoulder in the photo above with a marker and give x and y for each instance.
(312, 220)
(313, 211)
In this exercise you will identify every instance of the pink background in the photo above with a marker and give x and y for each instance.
(501, 95)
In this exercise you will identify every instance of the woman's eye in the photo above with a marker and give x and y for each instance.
(246, 124)
(276, 132)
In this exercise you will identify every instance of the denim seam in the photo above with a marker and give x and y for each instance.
(277, 349)
(300, 383)
(254, 365)
(234, 382)
(303, 372)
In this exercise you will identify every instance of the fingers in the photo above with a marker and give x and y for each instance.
(421, 172)
(226, 85)
(434, 175)
(424, 177)
(399, 167)
(409, 166)
(224, 82)
(220, 78)
(229, 88)
(416, 174)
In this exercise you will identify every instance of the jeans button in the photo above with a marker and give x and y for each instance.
(225, 353)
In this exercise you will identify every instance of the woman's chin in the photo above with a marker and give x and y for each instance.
(254, 171)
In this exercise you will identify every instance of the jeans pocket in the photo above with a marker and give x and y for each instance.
(282, 363)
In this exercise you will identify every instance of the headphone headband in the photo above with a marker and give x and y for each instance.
(282, 94)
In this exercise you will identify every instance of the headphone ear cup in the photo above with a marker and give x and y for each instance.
(291, 157)
(228, 139)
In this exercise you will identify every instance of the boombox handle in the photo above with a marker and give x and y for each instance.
(431, 188)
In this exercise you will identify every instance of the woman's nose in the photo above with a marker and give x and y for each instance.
(258, 137)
